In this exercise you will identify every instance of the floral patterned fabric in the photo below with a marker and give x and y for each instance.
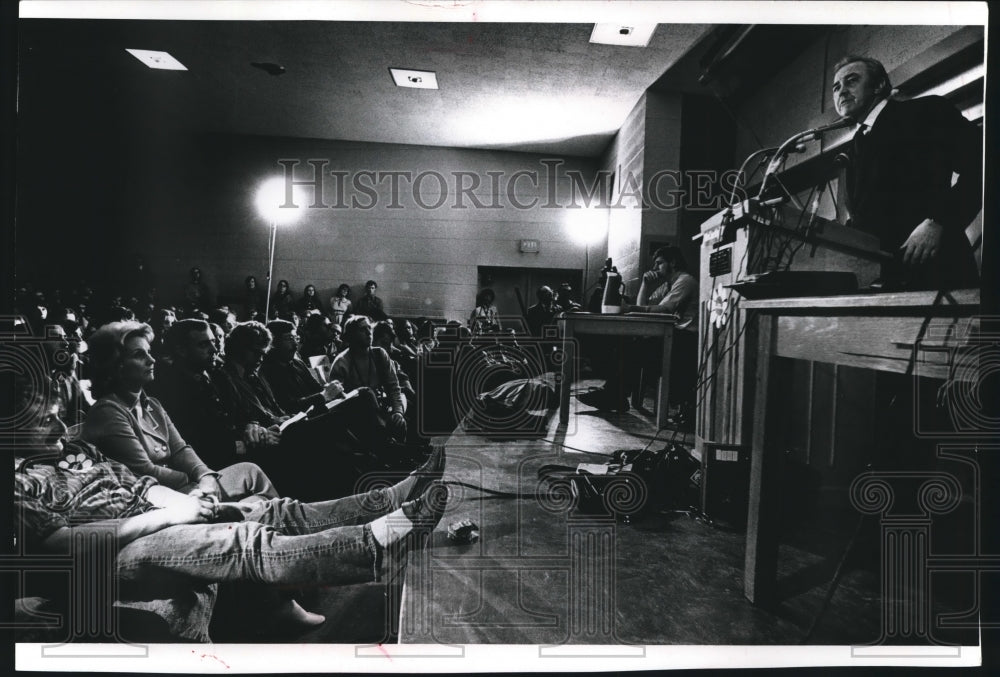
(81, 487)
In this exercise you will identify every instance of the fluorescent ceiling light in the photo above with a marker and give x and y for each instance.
(416, 79)
(623, 35)
(154, 59)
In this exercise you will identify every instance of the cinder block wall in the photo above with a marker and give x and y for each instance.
(422, 240)
(625, 159)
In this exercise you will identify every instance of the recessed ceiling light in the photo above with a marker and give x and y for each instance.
(623, 35)
(417, 79)
(154, 59)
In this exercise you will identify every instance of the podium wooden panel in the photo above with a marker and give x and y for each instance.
(725, 366)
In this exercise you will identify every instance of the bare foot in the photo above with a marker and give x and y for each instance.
(293, 614)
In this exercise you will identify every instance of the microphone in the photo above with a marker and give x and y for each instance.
(794, 142)
(813, 134)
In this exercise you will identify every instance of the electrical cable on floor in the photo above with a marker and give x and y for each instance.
(491, 492)
(832, 588)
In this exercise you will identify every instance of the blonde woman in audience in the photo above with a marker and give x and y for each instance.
(134, 429)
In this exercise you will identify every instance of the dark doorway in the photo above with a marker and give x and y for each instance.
(506, 281)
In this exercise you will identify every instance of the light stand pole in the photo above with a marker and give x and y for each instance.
(276, 202)
(270, 270)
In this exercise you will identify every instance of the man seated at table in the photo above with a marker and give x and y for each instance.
(543, 313)
(900, 181)
(666, 288)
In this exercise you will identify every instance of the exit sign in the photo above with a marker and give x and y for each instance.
(529, 246)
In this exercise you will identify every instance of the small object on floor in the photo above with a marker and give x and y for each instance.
(463, 532)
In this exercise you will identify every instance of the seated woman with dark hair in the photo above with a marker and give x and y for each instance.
(340, 305)
(484, 318)
(136, 430)
(282, 302)
(253, 299)
(309, 303)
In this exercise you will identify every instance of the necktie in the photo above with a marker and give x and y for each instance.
(860, 140)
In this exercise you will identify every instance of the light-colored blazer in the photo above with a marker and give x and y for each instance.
(151, 446)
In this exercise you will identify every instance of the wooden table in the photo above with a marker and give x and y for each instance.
(910, 333)
(573, 324)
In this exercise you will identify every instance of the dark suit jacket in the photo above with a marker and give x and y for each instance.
(901, 173)
(194, 404)
(247, 397)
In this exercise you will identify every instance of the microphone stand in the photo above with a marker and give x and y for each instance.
(783, 150)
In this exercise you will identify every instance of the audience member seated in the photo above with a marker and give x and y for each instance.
(337, 345)
(306, 450)
(544, 312)
(564, 298)
(384, 337)
(309, 304)
(667, 288)
(32, 304)
(219, 339)
(370, 305)
(196, 295)
(134, 429)
(340, 305)
(282, 302)
(484, 318)
(293, 383)
(113, 313)
(317, 338)
(138, 279)
(173, 546)
(362, 365)
(64, 384)
(187, 389)
(409, 349)
(253, 300)
(223, 317)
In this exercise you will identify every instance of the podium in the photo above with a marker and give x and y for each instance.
(753, 239)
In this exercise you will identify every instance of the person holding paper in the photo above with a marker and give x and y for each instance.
(294, 450)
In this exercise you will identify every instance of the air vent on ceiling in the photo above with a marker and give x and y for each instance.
(416, 79)
(154, 59)
(623, 35)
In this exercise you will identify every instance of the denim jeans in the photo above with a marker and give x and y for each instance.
(241, 481)
(280, 542)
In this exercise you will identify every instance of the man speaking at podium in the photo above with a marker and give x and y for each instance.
(900, 177)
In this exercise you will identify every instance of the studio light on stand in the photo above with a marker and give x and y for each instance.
(280, 204)
(587, 226)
